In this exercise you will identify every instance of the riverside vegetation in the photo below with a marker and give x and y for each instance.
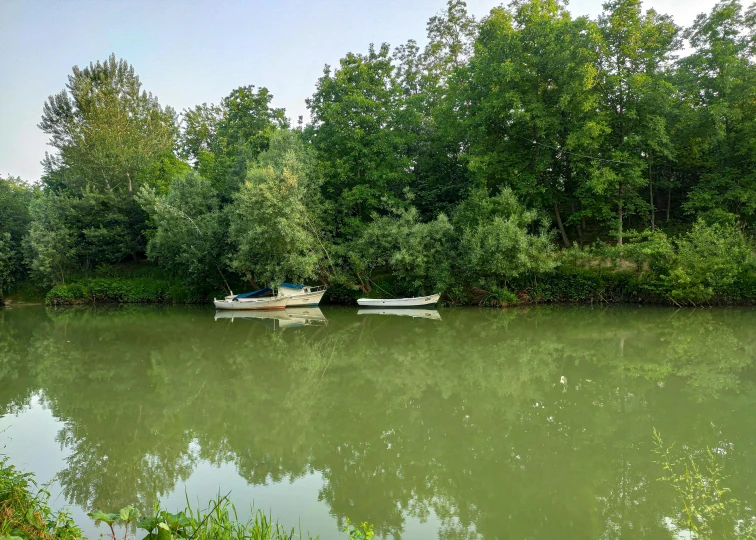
(707, 510)
(529, 156)
(25, 514)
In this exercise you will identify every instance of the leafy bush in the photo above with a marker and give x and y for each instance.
(707, 508)
(111, 290)
(568, 284)
(341, 294)
(24, 510)
(499, 239)
(188, 236)
(416, 252)
(712, 261)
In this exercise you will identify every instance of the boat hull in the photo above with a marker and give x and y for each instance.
(252, 304)
(305, 299)
(417, 302)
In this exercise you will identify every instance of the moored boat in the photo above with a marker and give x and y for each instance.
(416, 302)
(238, 303)
(287, 295)
(301, 295)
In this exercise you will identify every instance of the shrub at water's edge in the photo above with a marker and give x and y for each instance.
(706, 507)
(106, 290)
(24, 509)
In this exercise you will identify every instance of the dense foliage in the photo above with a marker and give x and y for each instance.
(25, 511)
(457, 167)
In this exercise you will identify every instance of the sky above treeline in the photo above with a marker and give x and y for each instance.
(188, 52)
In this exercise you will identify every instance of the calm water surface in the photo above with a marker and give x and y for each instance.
(527, 424)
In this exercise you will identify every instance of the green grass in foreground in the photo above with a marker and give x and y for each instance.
(24, 510)
(26, 515)
(220, 521)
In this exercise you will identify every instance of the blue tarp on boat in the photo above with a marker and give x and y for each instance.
(252, 294)
(291, 286)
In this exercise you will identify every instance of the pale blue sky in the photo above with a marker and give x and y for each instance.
(194, 51)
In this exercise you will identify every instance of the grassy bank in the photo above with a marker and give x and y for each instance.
(25, 514)
(563, 285)
(24, 510)
(136, 283)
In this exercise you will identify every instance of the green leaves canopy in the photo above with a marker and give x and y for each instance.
(106, 129)
(271, 232)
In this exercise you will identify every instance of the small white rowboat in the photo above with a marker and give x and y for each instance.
(266, 302)
(418, 301)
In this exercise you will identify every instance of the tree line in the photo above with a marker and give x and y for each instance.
(462, 165)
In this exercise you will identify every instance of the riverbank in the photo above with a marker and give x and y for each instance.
(24, 509)
(568, 285)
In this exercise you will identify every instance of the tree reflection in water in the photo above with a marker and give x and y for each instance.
(464, 417)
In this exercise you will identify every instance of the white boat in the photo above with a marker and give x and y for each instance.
(430, 314)
(301, 295)
(237, 303)
(416, 302)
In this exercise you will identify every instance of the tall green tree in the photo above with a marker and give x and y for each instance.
(221, 140)
(635, 50)
(105, 128)
(451, 35)
(51, 249)
(110, 137)
(533, 104)
(188, 237)
(718, 83)
(433, 82)
(359, 135)
(15, 199)
(272, 236)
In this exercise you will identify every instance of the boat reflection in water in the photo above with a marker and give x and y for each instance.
(280, 319)
(431, 314)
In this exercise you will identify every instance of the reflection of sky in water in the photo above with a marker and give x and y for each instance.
(28, 438)
(528, 423)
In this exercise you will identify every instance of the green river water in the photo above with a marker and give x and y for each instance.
(462, 423)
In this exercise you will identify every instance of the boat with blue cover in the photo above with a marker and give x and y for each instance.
(287, 295)
(260, 299)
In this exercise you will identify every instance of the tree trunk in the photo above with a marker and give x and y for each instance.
(558, 217)
(578, 226)
(669, 201)
(651, 194)
(129, 177)
(619, 212)
(582, 222)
